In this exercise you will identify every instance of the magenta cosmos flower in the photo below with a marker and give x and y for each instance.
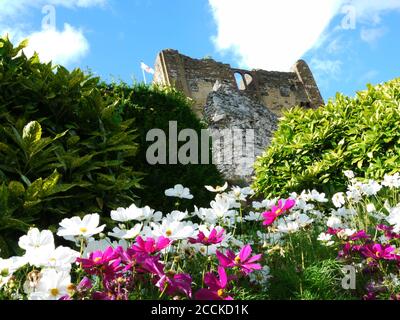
(217, 286)
(276, 211)
(173, 284)
(107, 263)
(150, 245)
(377, 251)
(214, 237)
(243, 260)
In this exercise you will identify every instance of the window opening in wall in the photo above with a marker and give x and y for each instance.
(239, 81)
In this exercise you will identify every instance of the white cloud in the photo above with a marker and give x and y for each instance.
(371, 35)
(372, 10)
(326, 67)
(62, 47)
(272, 35)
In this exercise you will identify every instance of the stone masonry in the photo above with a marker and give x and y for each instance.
(276, 90)
(236, 99)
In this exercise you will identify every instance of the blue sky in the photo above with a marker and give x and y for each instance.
(347, 43)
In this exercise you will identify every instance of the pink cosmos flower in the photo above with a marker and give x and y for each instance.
(174, 284)
(242, 260)
(214, 237)
(99, 262)
(377, 251)
(359, 235)
(217, 287)
(150, 245)
(276, 211)
(388, 232)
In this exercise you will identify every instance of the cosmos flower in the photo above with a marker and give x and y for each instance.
(179, 191)
(150, 245)
(37, 244)
(276, 211)
(377, 251)
(126, 234)
(214, 236)
(52, 285)
(76, 227)
(243, 260)
(217, 189)
(217, 286)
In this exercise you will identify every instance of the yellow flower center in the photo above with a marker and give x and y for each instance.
(220, 292)
(279, 211)
(206, 239)
(97, 259)
(168, 233)
(237, 259)
(54, 292)
(83, 230)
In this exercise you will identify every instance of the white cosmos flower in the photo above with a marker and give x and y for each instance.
(288, 227)
(8, 267)
(60, 259)
(254, 216)
(77, 227)
(217, 188)
(371, 188)
(241, 194)
(177, 215)
(265, 204)
(174, 230)
(334, 222)
(134, 213)
(394, 218)
(338, 199)
(52, 285)
(221, 207)
(179, 191)
(326, 238)
(205, 214)
(391, 181)
(318, 197)
(37, 245)
(125, 214)
(37, 240)
(126, 234)
(304, 220)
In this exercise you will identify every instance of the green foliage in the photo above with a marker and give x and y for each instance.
(154, 107)
(60, 136)
(312, 148)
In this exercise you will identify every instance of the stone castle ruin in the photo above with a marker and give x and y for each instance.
(236, 99)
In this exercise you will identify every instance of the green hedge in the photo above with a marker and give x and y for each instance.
(153, 107)
(312, 148)
(64, 148)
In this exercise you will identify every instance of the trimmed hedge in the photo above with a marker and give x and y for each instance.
(312, 148)
(153, 107)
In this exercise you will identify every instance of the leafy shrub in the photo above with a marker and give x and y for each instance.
(87, 144)
(154, 107)
(311, 148)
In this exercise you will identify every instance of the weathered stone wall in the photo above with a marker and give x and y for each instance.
(277, 90)
(241, 128)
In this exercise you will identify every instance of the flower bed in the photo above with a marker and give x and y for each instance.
(295, 248)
